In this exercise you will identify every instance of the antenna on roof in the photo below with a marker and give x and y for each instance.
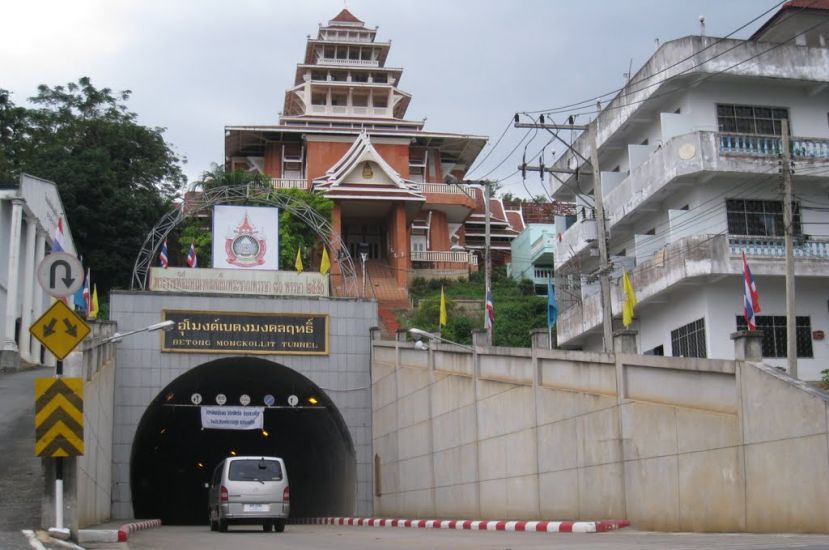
(702, 25)
(655, 43)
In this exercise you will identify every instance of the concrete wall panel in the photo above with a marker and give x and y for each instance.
(601, 492)
(558, 445)
(650, 430)
(454, 428)
(653, 493)
(456, 466)
(457, 501)
(697, 389)
(559, 494)
(774, 409)
(452, 392)
(712, 490)
(787, 485)
(506, 412)
(588, 378)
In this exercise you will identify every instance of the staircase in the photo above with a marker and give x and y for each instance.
(391, 299)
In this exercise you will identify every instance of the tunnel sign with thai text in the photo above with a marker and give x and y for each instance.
(248, 333)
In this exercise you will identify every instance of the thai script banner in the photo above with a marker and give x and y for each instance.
(232, 418)
(247, 333)
(237, 281)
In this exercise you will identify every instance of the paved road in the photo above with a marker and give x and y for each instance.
(21, 479)
(310, 537)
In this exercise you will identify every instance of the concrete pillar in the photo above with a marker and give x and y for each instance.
(624, 341)
(748, 345)
(375, 333)
(481, 337)
(29, 267)
(540, 338)
(401, 245)
(9, 356)
(40, 253)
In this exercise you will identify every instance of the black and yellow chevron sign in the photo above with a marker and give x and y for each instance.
(58, 417)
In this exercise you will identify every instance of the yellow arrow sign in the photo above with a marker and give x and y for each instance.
(59, 417)
(59, 329)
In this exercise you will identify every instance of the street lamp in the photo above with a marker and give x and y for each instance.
(166, 326)
(423, 334)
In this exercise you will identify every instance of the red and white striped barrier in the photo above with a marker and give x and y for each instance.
(529, 526)
(128, 528)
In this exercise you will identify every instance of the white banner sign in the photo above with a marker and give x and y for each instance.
(245, 237)
(234, 281)
(232, 418)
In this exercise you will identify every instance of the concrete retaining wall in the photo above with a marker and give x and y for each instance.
(88, 478)
(670, 444)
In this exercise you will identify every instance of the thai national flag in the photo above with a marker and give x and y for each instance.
(490, 310)
(87, 297)
(751, 299)
(59, 243)
(165, 261)
(192, 261)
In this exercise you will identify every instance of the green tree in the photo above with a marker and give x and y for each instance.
(116, 177)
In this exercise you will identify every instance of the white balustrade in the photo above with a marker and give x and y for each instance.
(284, 183)
(444, 188)
(444, 256)
(775, 247)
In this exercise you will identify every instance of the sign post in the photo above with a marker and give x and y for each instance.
(59, 400)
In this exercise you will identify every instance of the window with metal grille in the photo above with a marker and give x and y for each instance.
(774, 334)
(750, 119)
(689, 340)
(759, 218)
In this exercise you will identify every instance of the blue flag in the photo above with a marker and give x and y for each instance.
(552, 310)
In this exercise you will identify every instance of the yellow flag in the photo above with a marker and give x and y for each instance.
(442, 308)
(298, 263)
(93, 309)
(325, 264)
(630, 300)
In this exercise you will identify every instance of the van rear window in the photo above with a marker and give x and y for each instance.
(255, 470)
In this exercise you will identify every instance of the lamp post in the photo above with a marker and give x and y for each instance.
(423, 334)
(163, 325)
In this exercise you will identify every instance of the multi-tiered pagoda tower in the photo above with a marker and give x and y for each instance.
(343, 132)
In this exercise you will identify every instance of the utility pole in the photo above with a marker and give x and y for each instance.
(601, 226)
(601, 235)
(788, 227)
(487, 262)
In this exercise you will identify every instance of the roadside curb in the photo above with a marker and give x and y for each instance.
(116, 535)
(528, 526)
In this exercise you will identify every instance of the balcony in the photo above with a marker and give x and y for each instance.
(456, 201)
(577, 238)
(700, 257)
(348, 62)
(650, 182)
(771, 146)
(543, 249)
(283, 183)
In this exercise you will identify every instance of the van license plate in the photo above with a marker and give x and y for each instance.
(255, 508)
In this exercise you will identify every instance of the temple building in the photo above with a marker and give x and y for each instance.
(343, 132)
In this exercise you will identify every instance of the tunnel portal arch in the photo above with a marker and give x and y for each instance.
(172, 456)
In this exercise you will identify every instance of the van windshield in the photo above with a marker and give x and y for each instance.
(255, 470)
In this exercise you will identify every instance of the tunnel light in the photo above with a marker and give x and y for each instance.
(232, 453)
(199, 465)
(265, 433)
(163, 431)
(313, 400)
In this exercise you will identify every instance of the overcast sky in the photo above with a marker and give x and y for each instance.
(195, 66)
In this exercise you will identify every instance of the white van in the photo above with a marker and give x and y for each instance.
(249, 490)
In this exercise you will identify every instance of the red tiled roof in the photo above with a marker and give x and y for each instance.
(515, 220)
(813, 4)
(346, 17)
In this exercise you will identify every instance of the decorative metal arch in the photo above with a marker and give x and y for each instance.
(257, 194)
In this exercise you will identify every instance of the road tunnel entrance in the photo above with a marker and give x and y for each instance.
(172, 456)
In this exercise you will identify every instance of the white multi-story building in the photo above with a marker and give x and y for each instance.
(29, 213)
(689, 153)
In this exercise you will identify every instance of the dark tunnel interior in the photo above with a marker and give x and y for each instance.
(172, 456)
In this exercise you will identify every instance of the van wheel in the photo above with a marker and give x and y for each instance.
(267, 526)
(280, 526)
(222, 525)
